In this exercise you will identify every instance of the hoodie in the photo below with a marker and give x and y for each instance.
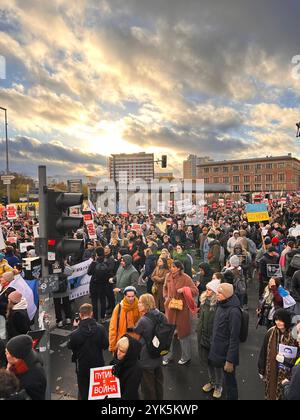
(129, 371)
(128, 275)
(87, 344)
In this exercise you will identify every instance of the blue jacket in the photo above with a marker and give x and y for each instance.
(226, 333)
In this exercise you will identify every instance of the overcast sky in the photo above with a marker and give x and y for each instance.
(87, 78)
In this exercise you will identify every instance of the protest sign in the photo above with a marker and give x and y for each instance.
(11, 211)
(103, 384)
(257, 212)
(79, 280)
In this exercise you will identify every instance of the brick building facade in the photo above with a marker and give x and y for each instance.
(269, 174)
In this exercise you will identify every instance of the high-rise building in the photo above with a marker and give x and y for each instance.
(191, 164)
(132, 166)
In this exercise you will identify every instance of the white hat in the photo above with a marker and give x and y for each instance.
(213, 285)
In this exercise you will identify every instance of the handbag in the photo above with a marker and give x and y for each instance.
(176, 304)
(154, 290)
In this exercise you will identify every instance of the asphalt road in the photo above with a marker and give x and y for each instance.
(181, 382)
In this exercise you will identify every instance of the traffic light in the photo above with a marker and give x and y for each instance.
(4, 201)
(61, 227)
(164, 160)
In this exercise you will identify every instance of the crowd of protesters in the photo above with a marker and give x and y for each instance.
(149, 270)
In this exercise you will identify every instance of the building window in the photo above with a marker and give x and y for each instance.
(226, 180)
(206, 180)
(246, 179)
(269, 187)
(225, 169)
(216, 180)
(206, 170)
(236, 188)
(236, 169)
(246, 167)
(258, 166)
(280, 165)
(236, 179)
(281, 177)
(269, 166)
(216, 170)
(269, 178)
(258, 178)
(258, 187)
(247, 188)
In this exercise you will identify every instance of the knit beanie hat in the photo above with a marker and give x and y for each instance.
(130, 289)
(275, 241)
(15, 297)
(20, 347)
(226, 290)
(8, 276)
(234, 261)
(213, 285)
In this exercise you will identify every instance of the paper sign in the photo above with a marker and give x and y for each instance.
(289, 352)
(2, 242)
(36, 232)
(257, 213)
(24, 246)
(87, 216)
(91, 229)
(103, 384)
(11, 212)
(274, 270)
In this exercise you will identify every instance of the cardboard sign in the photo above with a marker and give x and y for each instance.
(103, 384)
(91, 229)
(257, 213)
(24, 246)
(11, 211)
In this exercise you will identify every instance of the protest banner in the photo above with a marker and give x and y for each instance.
(103, 384)
(79, 280)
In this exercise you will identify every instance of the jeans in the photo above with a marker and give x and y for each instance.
(102, 293)
(216, 376)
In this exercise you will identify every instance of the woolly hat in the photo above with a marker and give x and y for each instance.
(8, 276)
(130, 289)
(234, 261)
(15, 297)
(275, 241)
(20, 347)
(213, 285)
(226, 290)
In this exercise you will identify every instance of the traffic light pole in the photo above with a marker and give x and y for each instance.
(44, 293)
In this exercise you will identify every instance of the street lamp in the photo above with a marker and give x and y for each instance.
(7, 159)
(298, 129)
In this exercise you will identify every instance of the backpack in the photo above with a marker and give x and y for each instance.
(163, 333)
(239, 284)
(244, 325)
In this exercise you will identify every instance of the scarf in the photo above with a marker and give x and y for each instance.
(275, 376)
(134, 307)
(19, 368)
(187, 293)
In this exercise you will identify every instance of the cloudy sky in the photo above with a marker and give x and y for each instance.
(87, 78)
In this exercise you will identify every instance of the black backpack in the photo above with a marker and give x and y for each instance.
(244, 325)
(163, 332)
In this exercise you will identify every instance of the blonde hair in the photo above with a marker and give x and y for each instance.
(148, 252)
(123, 344)
(148, 301)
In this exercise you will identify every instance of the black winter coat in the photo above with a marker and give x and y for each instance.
(4, 300)
(87, 344)
(295, 291)
(17, 323)
(101, 273)
(226, 333)
(291, 391)
(34, 382)
(129, 371)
